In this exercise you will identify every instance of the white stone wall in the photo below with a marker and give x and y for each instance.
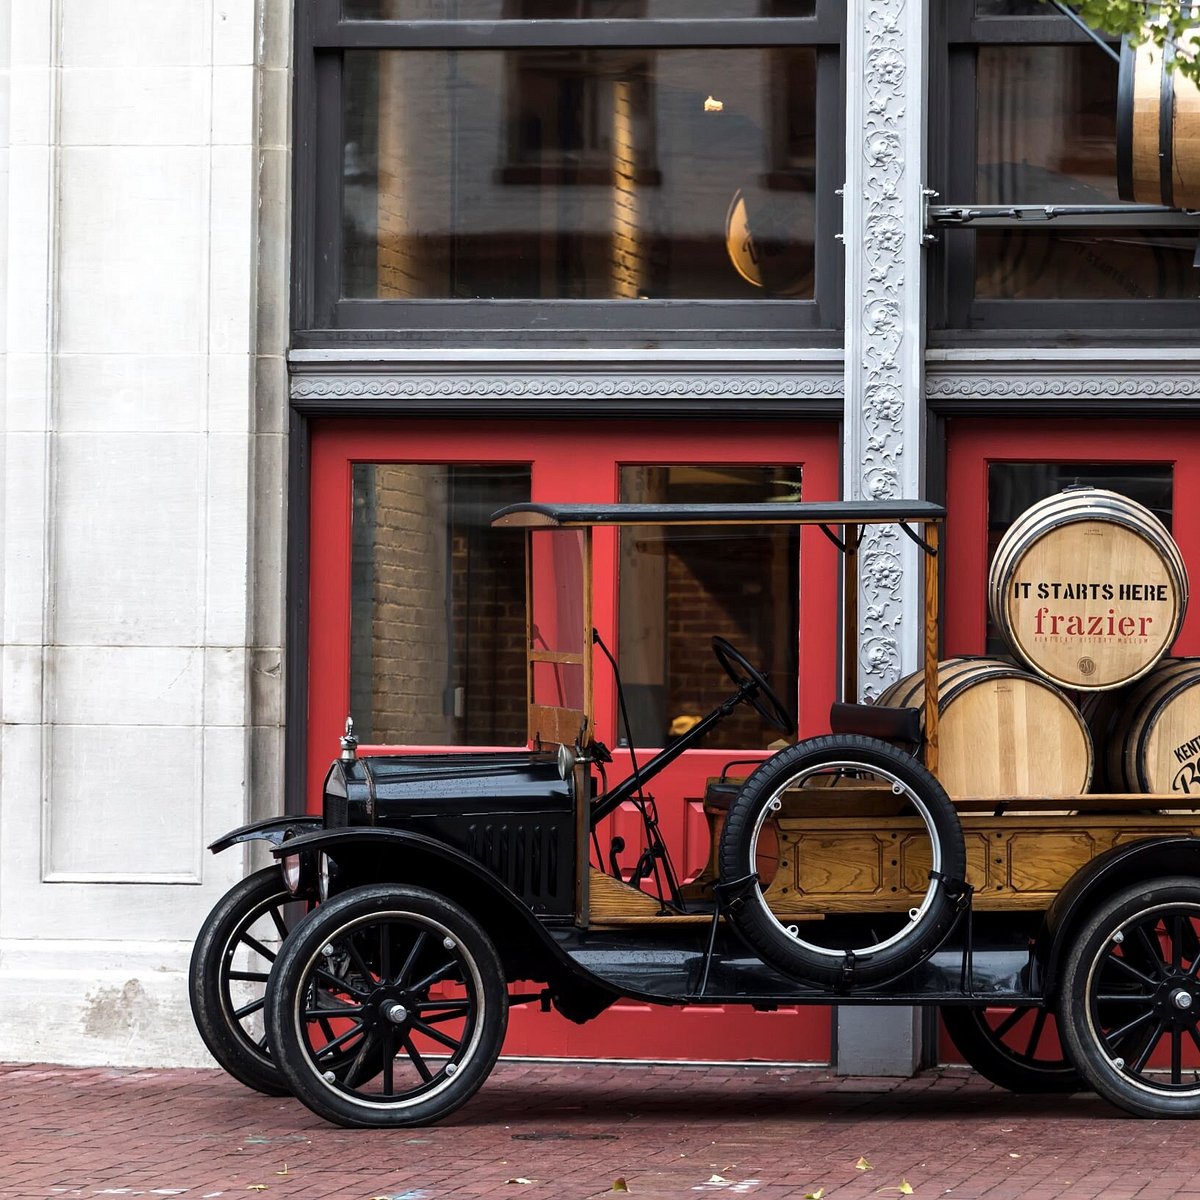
(143, 282)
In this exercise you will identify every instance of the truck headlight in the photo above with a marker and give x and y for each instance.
(326, 876)
(566, 761)
(290, 865)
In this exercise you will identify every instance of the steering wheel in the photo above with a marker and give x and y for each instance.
(754, 686)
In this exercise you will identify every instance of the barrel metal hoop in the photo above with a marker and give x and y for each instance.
(1166, 127)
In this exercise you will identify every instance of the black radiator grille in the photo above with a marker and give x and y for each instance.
(336, 812)
(525, 856)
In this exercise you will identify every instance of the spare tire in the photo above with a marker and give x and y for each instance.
(840, 950)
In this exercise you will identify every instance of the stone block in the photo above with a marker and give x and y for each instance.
(233, 105)
(229, 400)
(136, 106)
(119, 393)
(129, 546)
(134, 249)
(111, 818)
(124, 33)
(227, 534)
(126, 685)
(23, 573)
(225, 686)
(21, 685)
(231, 251)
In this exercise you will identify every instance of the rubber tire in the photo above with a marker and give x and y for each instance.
(1074, 1009)
(987, 1054)
(287, 989)
(208, 990)
(763, 931)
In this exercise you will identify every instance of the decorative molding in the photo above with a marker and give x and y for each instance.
(562, 386)
(986, 384)
(883, 314)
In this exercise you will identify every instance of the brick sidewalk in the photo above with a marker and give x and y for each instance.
(541, 1132)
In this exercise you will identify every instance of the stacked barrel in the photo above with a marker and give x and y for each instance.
(1089, 590)
(1158, 123)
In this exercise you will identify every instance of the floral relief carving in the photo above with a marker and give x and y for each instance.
(886, 241)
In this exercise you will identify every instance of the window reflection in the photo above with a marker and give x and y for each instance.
(679, 586)
(1013, 8)
(587, 174)
(1092, 264)
(1046, 134)
(1046, 125)
(437, 621)
(562, 10)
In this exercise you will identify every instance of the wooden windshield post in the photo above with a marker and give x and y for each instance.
(583, 800)
(851, 536)
(930, 647)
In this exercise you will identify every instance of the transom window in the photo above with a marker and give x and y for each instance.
(1031, 110)
(541, 167)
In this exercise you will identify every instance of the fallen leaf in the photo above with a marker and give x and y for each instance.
(1012, 1155)
(619, 1184)
(863, 1165)
(718, 1179)
(520, 1179)
(905, 1188)
(814, 1195)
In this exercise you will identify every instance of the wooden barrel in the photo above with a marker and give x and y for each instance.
(1088, 589)
(1147, 736)
(1002, 731)
(1158, 128)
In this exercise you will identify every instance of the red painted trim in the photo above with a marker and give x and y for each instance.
(654, 1032)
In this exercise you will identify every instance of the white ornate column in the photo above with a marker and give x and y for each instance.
(883, 438)
(882, 224)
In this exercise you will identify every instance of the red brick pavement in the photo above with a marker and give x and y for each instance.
(560, 1132)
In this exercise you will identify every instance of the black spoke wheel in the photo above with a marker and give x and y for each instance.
(404, 981)
(1129, 1006)
(227, 982)
(761, 696)
(1015, 1048)
(771, 911)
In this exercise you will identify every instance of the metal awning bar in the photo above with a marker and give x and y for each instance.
(834, 512)
(1077, 20)
(1074, 216)
(917, 540)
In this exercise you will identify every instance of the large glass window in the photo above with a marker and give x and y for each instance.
(680, 586)
(437, 610)
(567, 174)
(542, 167)
(1032, 120)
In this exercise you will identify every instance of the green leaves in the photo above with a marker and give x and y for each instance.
(1160, 22)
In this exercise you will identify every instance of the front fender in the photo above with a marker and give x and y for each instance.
(274, 830)
(1120, 867)
(369, 854)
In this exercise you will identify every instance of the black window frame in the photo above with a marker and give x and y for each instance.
(321, 317)
(956, 315)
